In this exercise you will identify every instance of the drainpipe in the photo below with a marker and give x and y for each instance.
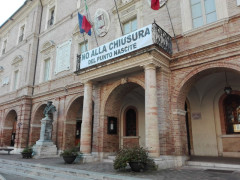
(34, 75)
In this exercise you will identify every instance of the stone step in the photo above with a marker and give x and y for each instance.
(52, 172)
(36, 173)
(212, 165)
(112, 157)
(109, 159)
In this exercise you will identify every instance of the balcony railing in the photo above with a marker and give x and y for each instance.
(161, 38)
(78, 62)
(50, 22)
(20, 38)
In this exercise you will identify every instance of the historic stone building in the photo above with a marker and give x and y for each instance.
(177, 96)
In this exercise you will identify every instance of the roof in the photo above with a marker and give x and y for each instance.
(11, 17)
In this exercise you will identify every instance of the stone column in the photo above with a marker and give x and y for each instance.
(86, 129)
(180, 132)
(151, 111)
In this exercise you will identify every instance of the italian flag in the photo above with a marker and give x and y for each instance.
(155, 4)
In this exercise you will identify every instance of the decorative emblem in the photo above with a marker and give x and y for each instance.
(101, 22)
(161, 2)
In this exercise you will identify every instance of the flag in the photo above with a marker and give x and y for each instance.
(84, 25)
(155, 4)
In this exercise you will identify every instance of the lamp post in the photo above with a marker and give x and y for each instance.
(227, 89)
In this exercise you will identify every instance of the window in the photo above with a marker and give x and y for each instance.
(4, 47)
(131, 122)
(83, 47)
(15, 85)
(21, 35)
(130, 26)
(46, 70)
(203, 12)
(51, 17)
(231, 107)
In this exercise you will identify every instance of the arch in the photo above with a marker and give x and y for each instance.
(179, 95)
(72, 124)
(185, 84)
(9, 128)
(115, 85)
(35, 126)
(71, 102)
(123, 93)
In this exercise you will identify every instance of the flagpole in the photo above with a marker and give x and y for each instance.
(172, 27)
(118, 17)
(91, 24)
(84, 42)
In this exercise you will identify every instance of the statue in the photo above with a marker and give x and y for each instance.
(45, 147)
(49, 109)
(46, 123)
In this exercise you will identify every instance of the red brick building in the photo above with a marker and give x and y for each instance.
(173, 102)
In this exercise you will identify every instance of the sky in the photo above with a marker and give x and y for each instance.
(8, 7)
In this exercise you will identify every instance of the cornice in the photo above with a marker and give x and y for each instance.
(18, 17)
(224, 48)
(123, 6)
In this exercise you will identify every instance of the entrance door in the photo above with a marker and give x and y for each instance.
(130, 127)
(13, 136)
(78, 132)
(189, 128)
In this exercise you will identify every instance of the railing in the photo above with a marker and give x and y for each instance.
(161, 38)
(50, 22)
(20, 38)
(3, 51)
(78, 62)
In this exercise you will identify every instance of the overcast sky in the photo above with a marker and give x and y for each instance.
(8, 7)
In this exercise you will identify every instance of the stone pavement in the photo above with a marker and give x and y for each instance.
(183, 173)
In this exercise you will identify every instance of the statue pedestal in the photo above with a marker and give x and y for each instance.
(44, 147)
(45, 150)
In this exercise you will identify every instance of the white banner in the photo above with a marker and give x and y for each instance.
(125, 44)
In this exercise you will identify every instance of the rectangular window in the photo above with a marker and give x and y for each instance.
(4, 47)
(46, 70)
(83, 47)
(15, 85)
(51, 17)
(130, 26)
(21, 35)
(203, 12)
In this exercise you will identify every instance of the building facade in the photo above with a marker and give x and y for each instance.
(168, 95)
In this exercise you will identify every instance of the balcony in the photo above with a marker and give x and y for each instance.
(50, 22)
(20, 38)
(140, 41)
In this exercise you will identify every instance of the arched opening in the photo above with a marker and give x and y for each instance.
(126, 103)
(72, 134)
(130, 122)
(189, 127)
(10, 129)
(204, 90)
(35, 126)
